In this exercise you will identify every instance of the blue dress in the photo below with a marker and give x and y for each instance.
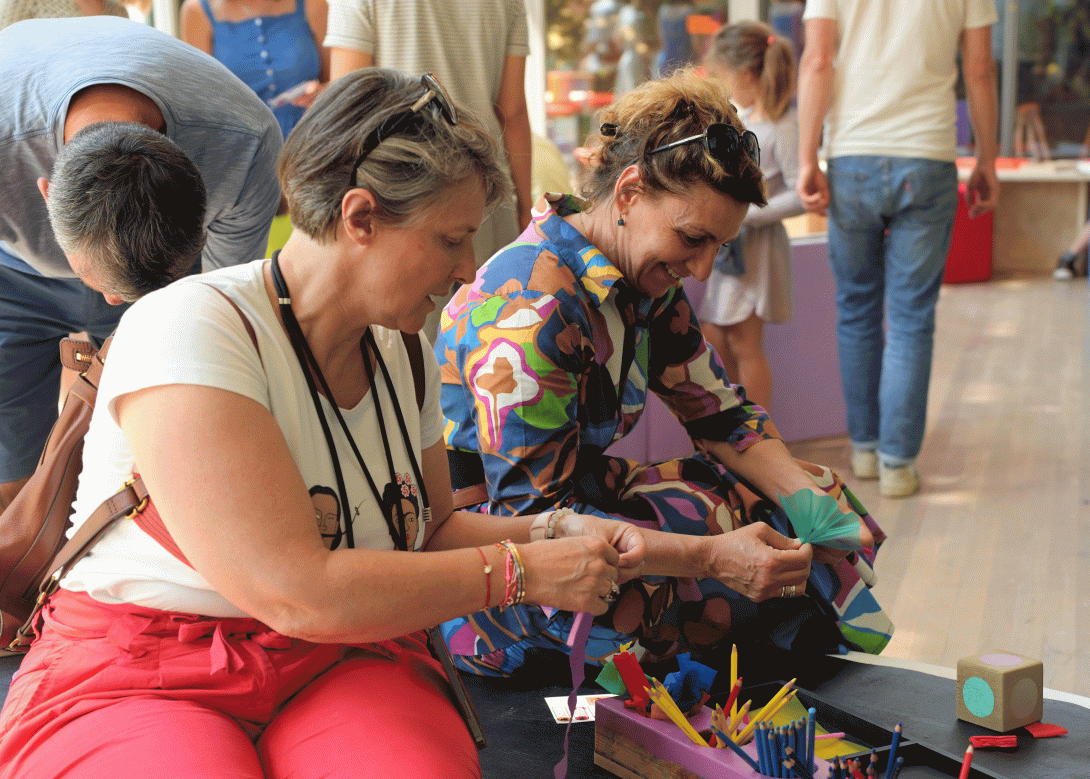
(271, 54)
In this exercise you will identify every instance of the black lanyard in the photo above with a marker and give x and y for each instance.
(306, 357)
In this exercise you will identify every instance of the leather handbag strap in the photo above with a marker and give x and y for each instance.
(134, 495)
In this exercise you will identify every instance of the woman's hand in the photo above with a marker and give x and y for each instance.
(626, 538)
(759, 562)
(573, 574)
(310, 94)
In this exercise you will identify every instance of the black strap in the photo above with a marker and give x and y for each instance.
(306, 357)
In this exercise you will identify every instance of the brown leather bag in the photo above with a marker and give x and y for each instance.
(34, 555)
(33, 526)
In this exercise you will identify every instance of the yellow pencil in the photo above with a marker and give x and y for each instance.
(736, 720)
(763, 714)
(743, 738)
(660, 696)
(733, 677)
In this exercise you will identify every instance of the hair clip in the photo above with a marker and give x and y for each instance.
(608, 129)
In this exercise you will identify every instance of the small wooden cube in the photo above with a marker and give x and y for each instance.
(1000, 690)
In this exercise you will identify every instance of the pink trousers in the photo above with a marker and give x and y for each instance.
(122, 691)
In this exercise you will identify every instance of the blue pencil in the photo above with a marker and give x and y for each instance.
(897, 768)
(811, 739)
(795, 743)
(781, 744)
(737, 749)
(768, 743)
(893, 750)
(797, 767)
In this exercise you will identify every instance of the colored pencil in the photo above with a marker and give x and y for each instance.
(732, 700)
(811, 738)
(764, 714)
(761, 717)
(763, 751)
(893, 750)
(836, 768)
(798, 767)
(736, 720)
(853, 767)
(733, 679)
(660, 696)
(897, 766)
(967, 763)
(826, 736)
(738, 751)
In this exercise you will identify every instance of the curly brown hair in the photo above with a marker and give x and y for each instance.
(659, 112)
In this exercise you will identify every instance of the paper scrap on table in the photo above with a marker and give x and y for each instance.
(584, 708)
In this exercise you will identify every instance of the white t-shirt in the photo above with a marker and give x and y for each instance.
(187, 333)
(895, 70)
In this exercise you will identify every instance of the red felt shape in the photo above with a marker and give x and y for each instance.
(1045, 730)
(995, 742)
(633, 678)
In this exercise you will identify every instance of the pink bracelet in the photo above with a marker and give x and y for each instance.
(487, 577)
(513, 591)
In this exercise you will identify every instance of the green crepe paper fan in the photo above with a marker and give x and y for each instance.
(818, 520)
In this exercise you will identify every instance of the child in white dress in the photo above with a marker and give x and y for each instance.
(760, 68)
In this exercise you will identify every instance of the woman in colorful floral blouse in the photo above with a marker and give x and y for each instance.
(547, 359)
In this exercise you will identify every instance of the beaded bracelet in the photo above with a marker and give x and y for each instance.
(487, 577)
(547, 522)
(556, 516)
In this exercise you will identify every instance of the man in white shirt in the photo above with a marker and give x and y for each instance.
(881, 77)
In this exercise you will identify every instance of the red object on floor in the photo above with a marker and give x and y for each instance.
(970, 257)
(1045, 730)
(993, 742)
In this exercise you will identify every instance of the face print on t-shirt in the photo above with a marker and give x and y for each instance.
(399, 500)
(327, 510)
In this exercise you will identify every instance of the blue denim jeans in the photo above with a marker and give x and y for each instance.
(890, 223)
(35, 313)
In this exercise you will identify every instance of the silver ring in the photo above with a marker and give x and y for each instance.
(614, 591)
(787, 591)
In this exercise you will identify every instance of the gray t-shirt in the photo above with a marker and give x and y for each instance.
(231, 136)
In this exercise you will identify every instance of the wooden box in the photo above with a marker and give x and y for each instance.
(636, 747)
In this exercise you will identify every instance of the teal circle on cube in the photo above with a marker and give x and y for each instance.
(978, 697)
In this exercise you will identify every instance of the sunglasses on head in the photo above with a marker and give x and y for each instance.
(409, 118)
(722, 143)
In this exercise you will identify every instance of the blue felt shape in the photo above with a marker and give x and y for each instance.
(686, 684)
(818, 520)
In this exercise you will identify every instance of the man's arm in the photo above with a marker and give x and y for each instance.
(815, 97)
(514, 119)
(982, 97)
(344, 61)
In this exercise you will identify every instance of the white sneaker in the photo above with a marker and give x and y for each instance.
(864, 463)
(1065, 269)
(898, 482)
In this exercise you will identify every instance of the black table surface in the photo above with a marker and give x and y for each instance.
(525, 741)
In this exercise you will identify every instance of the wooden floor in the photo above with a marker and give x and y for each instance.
(994, 552)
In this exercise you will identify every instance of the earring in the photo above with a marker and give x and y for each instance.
(620, 222)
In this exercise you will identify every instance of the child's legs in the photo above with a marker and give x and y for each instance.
(142, 737)
(746, 341)
(716, 335)
(371, 717)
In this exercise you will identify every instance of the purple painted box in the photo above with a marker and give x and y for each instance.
(633, 746)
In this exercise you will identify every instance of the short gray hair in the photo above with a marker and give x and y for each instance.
(131, 202)
(407, 172)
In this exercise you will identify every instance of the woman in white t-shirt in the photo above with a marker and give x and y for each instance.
(265, 614)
